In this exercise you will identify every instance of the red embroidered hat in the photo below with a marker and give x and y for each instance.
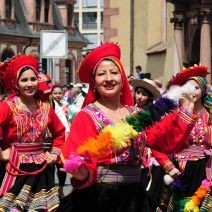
(87, 67)
(9, 70)
(185, 74)
(9, 74)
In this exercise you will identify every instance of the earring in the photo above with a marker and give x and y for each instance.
(17, 89)
(17, 92)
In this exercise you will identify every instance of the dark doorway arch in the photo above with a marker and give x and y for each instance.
(7, 53)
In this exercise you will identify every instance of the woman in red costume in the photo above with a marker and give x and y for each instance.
(102, 152)
(26, 173)
(191, 191)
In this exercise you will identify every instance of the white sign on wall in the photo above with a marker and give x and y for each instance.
(53, 44)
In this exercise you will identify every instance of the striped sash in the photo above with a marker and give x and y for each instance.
(119, 174)
(12, 167)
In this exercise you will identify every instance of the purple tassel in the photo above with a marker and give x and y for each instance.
(166, 104)
(179, 183)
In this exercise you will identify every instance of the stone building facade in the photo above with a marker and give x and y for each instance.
(21, 22)
(192, 21)
(160, 35)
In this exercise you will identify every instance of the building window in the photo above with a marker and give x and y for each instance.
(102, 20)
(102, 3)
(8, 5)
(38, 9)
(102, 38)
(89, 20)
(70, 14)
(76, 19)
(68, 71)
(76, 5)
(93, 40)
(46, 11)
(89, 3)
(43, 65)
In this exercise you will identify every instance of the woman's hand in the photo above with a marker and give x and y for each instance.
(5, 154)
(82, 173)
(174, 172)
(187, 102)
(50, 158)
(75, 166)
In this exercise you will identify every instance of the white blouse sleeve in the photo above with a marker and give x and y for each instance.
(61, 115)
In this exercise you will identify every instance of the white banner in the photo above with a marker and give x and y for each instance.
(53, 44)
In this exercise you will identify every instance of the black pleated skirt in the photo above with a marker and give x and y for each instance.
(103, 197)
(31, 192)
(152, 184)
(108, 197)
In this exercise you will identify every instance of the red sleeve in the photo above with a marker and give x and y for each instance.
(8, 126)
(3, 114)
(163, 160)
(57, 131)
(169, 134)
(82, 128)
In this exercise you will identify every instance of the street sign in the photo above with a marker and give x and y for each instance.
(53, 44)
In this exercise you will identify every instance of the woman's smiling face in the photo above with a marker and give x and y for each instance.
(28, 83)
(108, 79)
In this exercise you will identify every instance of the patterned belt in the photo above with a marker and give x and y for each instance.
(208, 168)
(12, 167)
(193, 151)
(119, 174)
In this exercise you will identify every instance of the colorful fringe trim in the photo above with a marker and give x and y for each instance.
(194, 202)
(114, 138)
(207, 203)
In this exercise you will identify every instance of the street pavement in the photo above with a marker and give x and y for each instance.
(67, 188)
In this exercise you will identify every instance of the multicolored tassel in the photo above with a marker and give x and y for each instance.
(194, 202)
(114, 138)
